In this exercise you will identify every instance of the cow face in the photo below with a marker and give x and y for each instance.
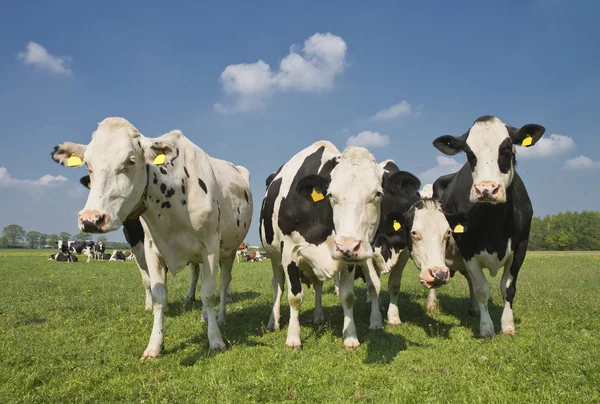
(116, 160)
(489, 145)
(354, 191)
(429, 234)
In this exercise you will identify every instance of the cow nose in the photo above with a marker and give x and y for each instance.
(439, 275)
(487, 190)
(92, 221)
(348, 247)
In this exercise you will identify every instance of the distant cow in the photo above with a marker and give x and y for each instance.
(241, 252)
(193, 208)
(319, 217)
(99, 249)
(492, 208)
(78, 246)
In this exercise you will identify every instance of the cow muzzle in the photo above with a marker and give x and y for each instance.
(348, 249)
(488, 191)
(435, 277)
(92, 221)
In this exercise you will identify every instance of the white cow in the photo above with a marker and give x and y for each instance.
(179, 193)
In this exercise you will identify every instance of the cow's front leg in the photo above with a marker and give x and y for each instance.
(432, 301)
(208, 294)
(194, 275)
(226, 266)
(481, 289)
(319, 314)
(295, 299)
(158, 284)
(347, 301)
(394, 288)
(373, 289)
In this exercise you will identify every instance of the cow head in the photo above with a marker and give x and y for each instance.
(354, 187)
(117, 160)
(489, 145)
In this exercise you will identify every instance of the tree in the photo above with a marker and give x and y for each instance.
(43, 239)
(101, 239)
(3, 242)
(83, 236)
(14, 234)
(53, 239)
(64, 236)
(33, 237)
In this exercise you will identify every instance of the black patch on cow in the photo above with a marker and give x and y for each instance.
(133, 231)
(158, 201)
(85, 181)
(238, 210)
(163, 171)
(294, 275)
(246, 196)
(203, 186)
(219, 212)
(183, 189)
(506, 155)
(245, 225)
(266, 211)
(163, 188)
(471, 157)
(183, 202)
(159, 215)
(155, 180)
(350, 268)
(485, 118)
(170, 192)
(186, 172)
(313, 220)
(238, 223)
(166, 204)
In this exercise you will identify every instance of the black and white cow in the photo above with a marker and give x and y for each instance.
(495, 208)
(179, 192)
(99, 249)
(78, 246)
(319, 216)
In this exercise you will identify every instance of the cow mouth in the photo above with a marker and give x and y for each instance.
(432, 284)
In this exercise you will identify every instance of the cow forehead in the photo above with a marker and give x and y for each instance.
(487, 136)
(430, 218)
(356, 166)
(113, 143)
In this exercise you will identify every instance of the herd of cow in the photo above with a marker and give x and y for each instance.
(69, 248)
(325, 215)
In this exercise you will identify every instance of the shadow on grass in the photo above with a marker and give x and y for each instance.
(459, 308)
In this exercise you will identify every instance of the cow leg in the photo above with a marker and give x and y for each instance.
(508, 287)
(158, 283)
(143, 267)
(373, 288)
(226, 266)
(473, 305)
(347, 301)
(194, 275)
(481, 289)
(318, 315)
(394, 288)
(336, 284)
(295, 299)
(277, 282)
(432, 302)
(208, 294)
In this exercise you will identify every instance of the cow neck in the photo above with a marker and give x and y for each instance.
(142, 205)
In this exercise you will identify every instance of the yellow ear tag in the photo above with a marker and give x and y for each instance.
(397, 225)
(527, 141)
(459, 228)
(90, 185)
(316, 196)
(74, 161)
(159, 160)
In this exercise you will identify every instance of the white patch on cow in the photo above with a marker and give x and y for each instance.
(491, 261)
(484, 140)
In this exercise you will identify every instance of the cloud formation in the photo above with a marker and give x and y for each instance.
(36, 54)
(581, 163)
(403, 108)
(6, 181)
(310, 69)
(368, 139)
(445, 165)
(548, 146)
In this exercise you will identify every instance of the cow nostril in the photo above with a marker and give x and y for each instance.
(356, 247)
(496, 189)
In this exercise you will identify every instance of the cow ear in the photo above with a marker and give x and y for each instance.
(393, 223)
(401, 182)
(159, 153)
(527, 135)
(450, 145)
(85, 181)
(313, 188)
(69, 154)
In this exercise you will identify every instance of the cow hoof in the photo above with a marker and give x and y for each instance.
(293, 344)
(150, 353)
(487, 334)
(473, 312)
(376, 327)
(189, 300)
(431, 307)
(351, 344)
(220, 345)
(509, 331)
(394, 322)
(148, 308)
(222, 320)
(229, 299)
(204, 317)
(336, 291)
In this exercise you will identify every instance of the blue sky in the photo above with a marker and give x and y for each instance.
(389, 75)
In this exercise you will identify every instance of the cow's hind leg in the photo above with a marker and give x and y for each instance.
(508, 287)
(194, 275)
(143, 267)
(226, 266)
(394, 288)
(318, 315)
(278, 283)
(373, 289)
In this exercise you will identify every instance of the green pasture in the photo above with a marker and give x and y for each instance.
(74, 332)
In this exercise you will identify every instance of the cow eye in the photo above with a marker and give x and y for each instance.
(378, 194)
(414, 234)
(131, 162)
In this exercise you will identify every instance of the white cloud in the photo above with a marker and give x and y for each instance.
(445, 165)
(403, 108)
(6, 181)
(36, 54)
(368, 139)
(311, 69)
(548, 146)
(581, 163)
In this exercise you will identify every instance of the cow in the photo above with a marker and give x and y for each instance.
(319, 216)
(99, 249)
(78, 246)
(193, 208)
(242, 250)
(117, 256)
(492, 206)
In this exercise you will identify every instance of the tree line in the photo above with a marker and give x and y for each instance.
(15, 236)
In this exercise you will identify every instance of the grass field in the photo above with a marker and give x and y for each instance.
(74, 332)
